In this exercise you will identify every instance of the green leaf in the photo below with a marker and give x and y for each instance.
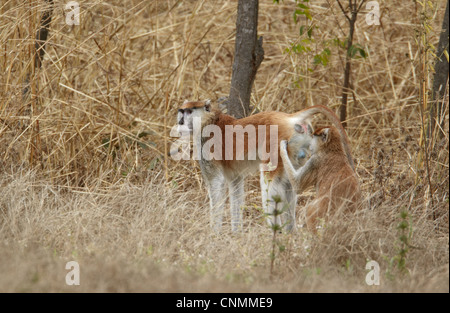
(310, 32)
(276, 198)
(317, 59)
(403, 225)
(153, 163)
(322, 58)
(308, 15)
(357, 48)
(362, 52)
(302, 29)
(302, 6)
(144, 133)
(276, 227)
(404, 214)
(300, 12)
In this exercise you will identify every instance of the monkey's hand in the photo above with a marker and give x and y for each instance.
(283, 150)
(288, 167)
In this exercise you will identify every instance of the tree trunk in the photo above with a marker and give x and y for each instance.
(39, 52)
(440, 79)
(346, 89)
(248, 56)
(348, 61)
(42, 34)
(41, 39)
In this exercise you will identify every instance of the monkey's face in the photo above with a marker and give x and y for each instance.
(299, 143)
(320, 138)
(192, 112)
(304, 129)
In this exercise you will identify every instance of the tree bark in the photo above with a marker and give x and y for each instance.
(42, 34)
(248, 57)
(41, 39)
(348, 61)
(440, 79)
(346, 89)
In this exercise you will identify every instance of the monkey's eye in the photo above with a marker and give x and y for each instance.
(299, 128)
(188, 111)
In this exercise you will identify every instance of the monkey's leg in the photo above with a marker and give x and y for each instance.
(290, 202)
(315, 212)
(264, 183)
(217, 197)
(237, 199)
(266, 194)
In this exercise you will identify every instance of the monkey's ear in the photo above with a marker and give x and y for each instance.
(299, 129)
(325, 135)
(208, 105)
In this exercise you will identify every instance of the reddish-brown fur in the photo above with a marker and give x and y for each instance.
(336, 183)
(192, 105)
(285, 131)
(229, 168)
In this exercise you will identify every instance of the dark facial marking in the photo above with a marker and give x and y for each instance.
(299, 128)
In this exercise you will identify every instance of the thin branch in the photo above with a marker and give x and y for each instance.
(343, 10)
(335, 17)
(360, 6)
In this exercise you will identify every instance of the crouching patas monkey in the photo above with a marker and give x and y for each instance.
(330, 170)
(250, 142)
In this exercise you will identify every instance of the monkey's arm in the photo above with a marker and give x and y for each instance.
(306, 175)
(302, 178)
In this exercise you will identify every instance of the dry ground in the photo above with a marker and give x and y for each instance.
(84, 177)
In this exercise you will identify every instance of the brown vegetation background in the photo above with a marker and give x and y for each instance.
(83, 172)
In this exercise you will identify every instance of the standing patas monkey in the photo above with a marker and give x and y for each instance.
(221, 172)
(330, 169)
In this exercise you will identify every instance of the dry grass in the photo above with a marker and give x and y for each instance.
(82, 158)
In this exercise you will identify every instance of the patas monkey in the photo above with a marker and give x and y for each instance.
(225, 173)
(330, 170)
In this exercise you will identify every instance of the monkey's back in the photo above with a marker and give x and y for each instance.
(257, 143)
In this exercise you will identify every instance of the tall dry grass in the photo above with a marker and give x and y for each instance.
(85, 177)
